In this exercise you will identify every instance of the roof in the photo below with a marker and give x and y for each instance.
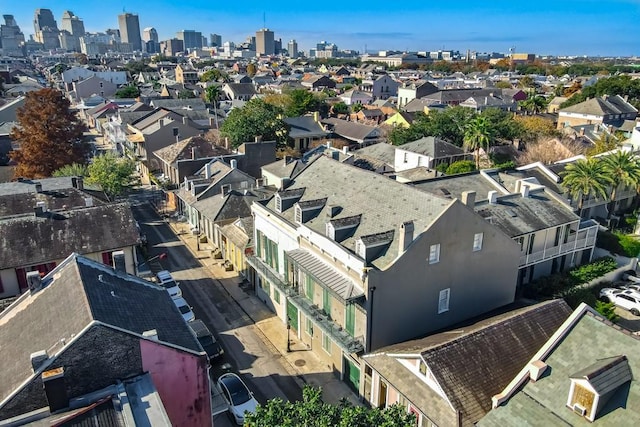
(30, 240)
(584, 340)
(470, 386)
(605, 375)
(283, 168)
(453, 186)
(383, 203)
(23, 186)
(179, 104)
(239, 232)
(242, 88)
(63, 199)
(432, 147)
(460, 95)
(601, 106)
(73, 296)
(183, 150)
(304, 127)
(354, 131)
(381, 152)
(231, 206)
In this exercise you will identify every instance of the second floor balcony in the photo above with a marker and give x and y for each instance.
(585, 238)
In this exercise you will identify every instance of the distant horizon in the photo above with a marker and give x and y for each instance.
(556, 28)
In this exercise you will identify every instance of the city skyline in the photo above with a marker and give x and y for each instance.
(570, 27)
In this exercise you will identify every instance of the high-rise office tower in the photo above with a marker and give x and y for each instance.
(46, 28)
(11, 38)
(293, 49)
(150, 34)
(216, 40)
(264, 42)
(72, 24)
(191, 39)
(130, 30)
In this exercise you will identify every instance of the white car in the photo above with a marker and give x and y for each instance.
(165, 280)
(185, 309)
(608, 294)
(628, 302)
(237, 395)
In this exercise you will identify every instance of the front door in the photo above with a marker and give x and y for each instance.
(292, 314)
(352, 374)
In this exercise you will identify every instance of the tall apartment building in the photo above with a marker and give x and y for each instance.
(46, 29)
(265, 44)
(130, 30)
(11, 38)
(292, 48)
(72, 24)
(171, 47)
(190, 38)
(216, 40)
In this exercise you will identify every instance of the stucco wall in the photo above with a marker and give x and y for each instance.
(405, 302)
(182, 380)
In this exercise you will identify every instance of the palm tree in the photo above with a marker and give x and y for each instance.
(211, 95)
(624, 171)
(586, 178)
(477, 134)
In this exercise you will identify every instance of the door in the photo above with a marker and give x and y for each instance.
(292, 314)
(352, 374)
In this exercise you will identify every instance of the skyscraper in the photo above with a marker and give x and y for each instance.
(293, 49)
(191, 39)
(265, 42)
(216, 40)
(11, 38)
(150, 34)
(46, 28)
(72, 24)
(130, 30)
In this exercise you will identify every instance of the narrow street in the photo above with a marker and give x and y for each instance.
(246, 349)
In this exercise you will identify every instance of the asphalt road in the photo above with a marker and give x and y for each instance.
(246, 351)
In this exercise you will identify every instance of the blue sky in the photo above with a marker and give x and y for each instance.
(570, 27)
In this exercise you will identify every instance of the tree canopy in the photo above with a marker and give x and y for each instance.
(112, 173)
(586, 178)
(616, 85)
(74, 169)
(311, 411)
(49, 135)
(128, 91)
(255, 118)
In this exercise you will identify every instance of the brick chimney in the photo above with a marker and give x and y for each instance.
(406, 235)
(469, 198)
(55, 389)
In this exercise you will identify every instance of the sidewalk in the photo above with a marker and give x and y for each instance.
(303, 365)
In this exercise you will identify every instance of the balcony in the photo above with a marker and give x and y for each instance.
(271, 275)
(585, 239)
(340, 336)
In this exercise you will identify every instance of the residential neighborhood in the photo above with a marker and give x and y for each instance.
(201, 231)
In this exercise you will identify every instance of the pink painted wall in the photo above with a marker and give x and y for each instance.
(182, 382)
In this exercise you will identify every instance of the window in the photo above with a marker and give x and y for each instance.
(434, 253)
(443, 301)
(308, 287)
(308, 327)
(350, 319)
(276, 296)
(477, 241)
(406, 157)
(326, 343)
(423, 368)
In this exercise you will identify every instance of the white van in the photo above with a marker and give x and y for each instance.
(165, 280)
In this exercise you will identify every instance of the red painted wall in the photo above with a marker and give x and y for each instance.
(182, 381)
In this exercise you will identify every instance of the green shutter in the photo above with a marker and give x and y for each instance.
(258, 244)
(309, 283)
(350, 319)
(326, 300)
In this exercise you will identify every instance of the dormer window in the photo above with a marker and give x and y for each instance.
(372, 246)
(308, 209)
(286, 198)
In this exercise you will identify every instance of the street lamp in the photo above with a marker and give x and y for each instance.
(288, 332)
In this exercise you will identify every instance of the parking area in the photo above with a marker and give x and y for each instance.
(628, 320)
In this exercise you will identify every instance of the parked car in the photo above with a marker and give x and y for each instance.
(165, 280)
(185, 309)
(206, 339)
(607, 294)
(238, 396)
(628, 302)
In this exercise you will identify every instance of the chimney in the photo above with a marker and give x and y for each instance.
(162, 122)
(536, 369)
(524, 190)
(34, 280)
(55, 389)
(74, 182)
(345, 150)
(258, 138)
(469, 198)
(581, 131)
(38, 187)
(119, 261)
(493, 197)
(40, 209)
(184, 120)
(80, 183)
(193, 153)
(207, 171)
(406, 235)
(38, 358)
(212, 122)
(152, 334)
(316, 116)
(88, 201)
(234, 164)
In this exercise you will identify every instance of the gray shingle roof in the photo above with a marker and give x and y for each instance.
(600, 106)
(543, 402)
(74, 298)
(383, 203)
(381, 152)
(354, 131)
(182, 150)
(179, 104)
(304, 127)
(432, 147)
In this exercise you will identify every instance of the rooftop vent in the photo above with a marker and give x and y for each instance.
(34, 281)
(151, 334)
(38, 358)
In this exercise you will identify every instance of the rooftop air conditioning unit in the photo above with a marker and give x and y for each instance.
(579, 409)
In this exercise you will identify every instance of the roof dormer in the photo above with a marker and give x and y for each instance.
(340, 229)
(372, 246)
(284, 199)
(308, 209)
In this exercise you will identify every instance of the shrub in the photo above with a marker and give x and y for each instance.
(461, 166)
(607, 309)
(577, 295)
(619, 243)
(630, 244)
(588, 272)
(442, 167)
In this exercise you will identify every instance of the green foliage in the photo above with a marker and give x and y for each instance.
(504, 85)
(442, 167)
(616, 85)
(340, 108)
(255, 118)
(576, 295)
(619, 243)
(461, 166)
(186, 94)
(211, 94)
(313, 412)
(129, 91)
(301, 101)
(478, 134)
(112, 173)
(74, 169)
(603, 144)
(138, 67)
(587, 272)
(356, 108)
(586, 178)
(607, 310)
(214, 75)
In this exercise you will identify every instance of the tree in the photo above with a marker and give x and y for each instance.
(186, 94)
(536, 127)
(503, 84)
(211, 94)
(112, 173)
(624, 171)
(49, 135)
(533, 104)
(302, 101)
(251, 70)
(74, 169)
(213, 76)
(128, 91)
(548, 150)
(605, 142)
(585, 178)
(607, 310)
(502, 124)
(312, 411)
(255, 118)
(478, 135)
(356, 108)
(461, 166)
(526, 82)
(340, 108)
